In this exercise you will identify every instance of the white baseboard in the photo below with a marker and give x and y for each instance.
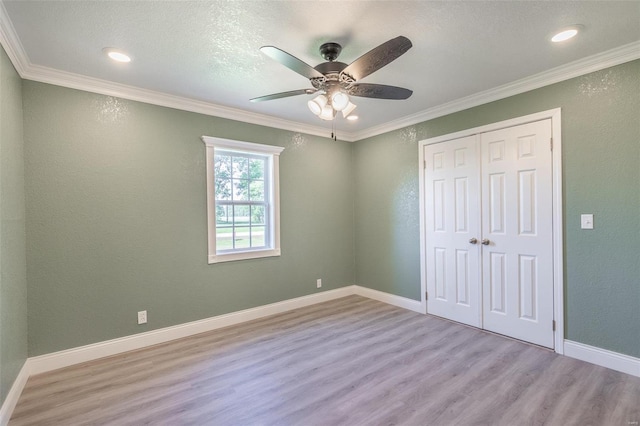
(14, 394)
(602, 357)
(391, 299)
(53, 361)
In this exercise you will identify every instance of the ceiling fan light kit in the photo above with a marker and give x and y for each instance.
(339, 101)
(316, 104)
(336, 81)
(348, 109)
(327, 113)
(326, 108)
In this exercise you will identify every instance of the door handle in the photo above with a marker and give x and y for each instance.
(473, 240)
(485, 242)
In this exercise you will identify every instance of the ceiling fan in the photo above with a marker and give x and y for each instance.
(336, 81)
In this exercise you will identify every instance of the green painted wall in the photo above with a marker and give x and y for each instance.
(115, 202)
(601, 173)
(116, 218)
(13, 281)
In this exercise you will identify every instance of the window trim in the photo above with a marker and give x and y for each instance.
(273, 152)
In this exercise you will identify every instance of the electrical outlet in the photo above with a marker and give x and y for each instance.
(142, 317)
(318, 283)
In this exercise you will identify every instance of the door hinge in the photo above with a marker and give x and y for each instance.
(424, 164)
(551, 141)
(426, 295)
(553, 325)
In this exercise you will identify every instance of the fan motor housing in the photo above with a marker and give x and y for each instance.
(330, 67)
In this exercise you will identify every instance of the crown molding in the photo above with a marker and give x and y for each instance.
(609, 58)
(103, 87)
(28, 71)
(12, 45)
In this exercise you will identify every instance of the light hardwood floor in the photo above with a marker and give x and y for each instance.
(351, 361)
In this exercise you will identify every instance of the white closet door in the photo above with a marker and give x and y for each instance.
(517, 262)
(452, 206)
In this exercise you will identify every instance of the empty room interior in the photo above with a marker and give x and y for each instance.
(319, 212)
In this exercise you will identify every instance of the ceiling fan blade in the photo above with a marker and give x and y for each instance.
(284, 95)
(377, 58)
(291, 62)
(379, 91)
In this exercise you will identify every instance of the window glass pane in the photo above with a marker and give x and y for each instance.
(257, 236)
(223, 189)
(241, 215)
(222, 166)
(240, 190)
(241, 218)
(241, 238)
(256, 168)
(257, 215)
(224, 240)
(224, 216)
(224, 227)
(240, 167)
(256, 190)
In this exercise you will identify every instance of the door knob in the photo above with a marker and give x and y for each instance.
(473, 240)
(485, 242)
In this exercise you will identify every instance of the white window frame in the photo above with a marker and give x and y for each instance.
(273, 158)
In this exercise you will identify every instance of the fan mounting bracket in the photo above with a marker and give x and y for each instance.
(330, 51)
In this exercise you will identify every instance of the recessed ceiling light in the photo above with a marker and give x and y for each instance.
(352, 117)
(116, 55)
(566, 33)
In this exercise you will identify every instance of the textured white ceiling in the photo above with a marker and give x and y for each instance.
(208, 50)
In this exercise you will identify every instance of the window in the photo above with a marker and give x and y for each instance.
(242, 199)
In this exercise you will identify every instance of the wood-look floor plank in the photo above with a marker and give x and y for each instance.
(351, 361)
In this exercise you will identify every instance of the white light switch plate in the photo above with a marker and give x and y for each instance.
(586, 221)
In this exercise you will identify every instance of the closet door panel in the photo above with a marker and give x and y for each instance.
(517, 263)
(452, 206)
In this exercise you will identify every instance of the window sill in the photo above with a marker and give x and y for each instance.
(231, 257)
